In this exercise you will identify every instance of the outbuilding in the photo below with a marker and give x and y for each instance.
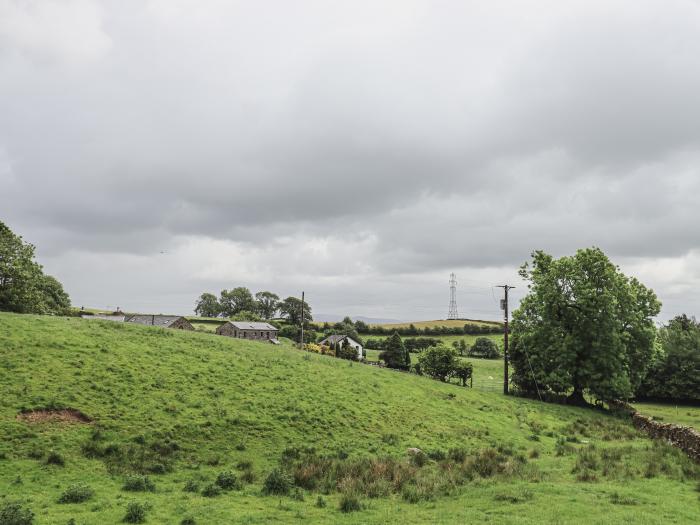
(249, 330)
(165, 321)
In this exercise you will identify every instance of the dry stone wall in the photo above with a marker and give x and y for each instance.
(685, 438)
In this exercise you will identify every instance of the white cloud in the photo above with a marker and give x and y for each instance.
(68, 31)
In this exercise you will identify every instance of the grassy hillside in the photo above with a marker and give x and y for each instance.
(184, 407)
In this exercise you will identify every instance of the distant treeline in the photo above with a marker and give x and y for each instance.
(415, 344)
(467, 329)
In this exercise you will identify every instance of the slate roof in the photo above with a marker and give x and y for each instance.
(247, 325)
(154, 320)
(105, 317)
(336, 338)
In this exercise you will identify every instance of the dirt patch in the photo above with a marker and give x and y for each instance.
(60, 415)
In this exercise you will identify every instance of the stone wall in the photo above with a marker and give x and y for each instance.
(685, 438)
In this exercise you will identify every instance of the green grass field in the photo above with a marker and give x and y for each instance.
(678, 414)
(183, 407)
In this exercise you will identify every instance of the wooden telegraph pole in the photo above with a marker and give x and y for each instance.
(504, 307)
(301, 341)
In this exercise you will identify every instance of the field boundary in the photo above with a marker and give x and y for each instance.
(685, 438)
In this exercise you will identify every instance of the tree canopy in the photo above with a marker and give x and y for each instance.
(235, 301)
(24, 287)
(439, 362)
(675, 370)
(395, 354)
(207, 305)
(583, 326)
(290, 309)
(267, 304)
(484, 348)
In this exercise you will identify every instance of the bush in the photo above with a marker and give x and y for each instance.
(349, 503)
(191, 486)
(484, 348)
(15, 514)
(135, 513)
(54, 458)
(188, 521)
(277, 482)
(76, 494)
(211, 491)
(138, 483)
(244, 465)
(438, 362)
(320, 502)
(227, 480)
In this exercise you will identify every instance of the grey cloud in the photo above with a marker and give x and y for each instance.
(455, 135)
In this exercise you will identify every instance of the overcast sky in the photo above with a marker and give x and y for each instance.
(358, 150)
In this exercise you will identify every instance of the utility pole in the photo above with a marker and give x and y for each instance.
(504, 307)
(301, 341)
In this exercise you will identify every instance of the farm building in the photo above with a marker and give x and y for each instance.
(166, 321)
(248, 330)
(336, 341)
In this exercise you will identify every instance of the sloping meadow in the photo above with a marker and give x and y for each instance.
(182, 427)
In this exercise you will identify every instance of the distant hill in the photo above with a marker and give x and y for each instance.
(213, 422)
(334, 318)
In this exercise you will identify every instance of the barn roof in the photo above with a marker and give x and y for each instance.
(154, 320)
(247, 325)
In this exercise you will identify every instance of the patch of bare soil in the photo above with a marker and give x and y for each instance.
(61, 415)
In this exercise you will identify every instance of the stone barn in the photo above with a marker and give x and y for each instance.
(249, 330)
(165, 321)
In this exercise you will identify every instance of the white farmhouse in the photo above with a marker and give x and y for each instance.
(336, 341)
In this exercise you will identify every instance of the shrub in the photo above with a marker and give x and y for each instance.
(135, 513)
(320, 502)
(297, 494)
(277, 482)
(419, 459)
(76, 494)
(54, 458)
(211, 491)
(484, 348)
(188, 521)
(248, 476)
(191, 486)
(137, 483)
(349, 503)
(436, 455)
(227, 480)
(15, 514)
(244, 465)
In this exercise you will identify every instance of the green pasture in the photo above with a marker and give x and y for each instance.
(184, 408)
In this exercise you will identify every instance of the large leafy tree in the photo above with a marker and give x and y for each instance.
(583, 327)
(290, 309)
(439, 362)
(267, 304)
(24, 287)
(675, 372)
(207, 305)
(235, 301)
(395, 354)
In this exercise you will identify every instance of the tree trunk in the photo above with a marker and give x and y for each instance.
(576, 398)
